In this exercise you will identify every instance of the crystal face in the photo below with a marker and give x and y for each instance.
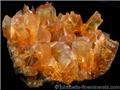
(47, 47)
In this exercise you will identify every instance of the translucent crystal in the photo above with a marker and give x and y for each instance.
(47, 47)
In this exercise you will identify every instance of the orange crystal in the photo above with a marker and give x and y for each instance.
(45, 46)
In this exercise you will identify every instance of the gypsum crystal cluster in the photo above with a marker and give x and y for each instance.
(47, 47)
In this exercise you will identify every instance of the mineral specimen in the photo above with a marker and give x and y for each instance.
(47, 47)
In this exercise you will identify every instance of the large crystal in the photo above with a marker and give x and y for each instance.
(47, 47)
